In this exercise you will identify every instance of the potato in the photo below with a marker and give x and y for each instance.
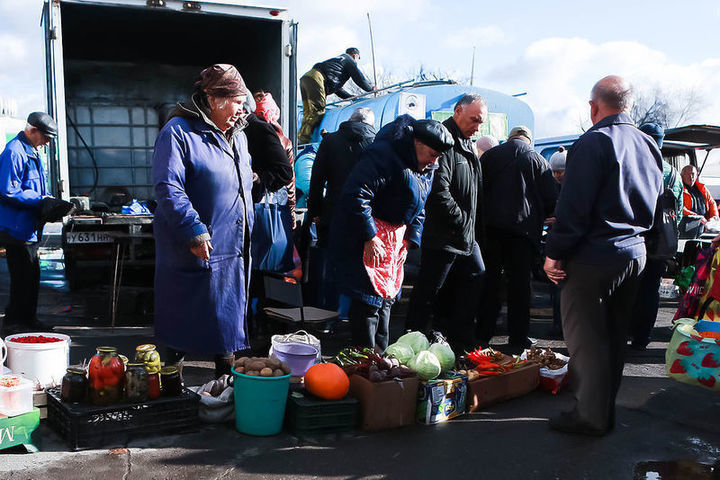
(240, 369)
(274, 363)
(266, 372)
(253, 373)
(207, 394)
(255, 365)
(240, 362)
(278, 372)
(285, 368)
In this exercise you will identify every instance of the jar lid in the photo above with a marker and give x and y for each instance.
(80, 371)
(106, 349)
(136, 364)
(145, 347)
(169, 370)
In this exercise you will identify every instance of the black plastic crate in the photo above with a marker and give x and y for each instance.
(307, 414)
(88, 426)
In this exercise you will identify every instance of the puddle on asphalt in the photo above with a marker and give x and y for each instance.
(677, 470)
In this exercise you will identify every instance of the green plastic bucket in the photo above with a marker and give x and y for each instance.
(260, 403)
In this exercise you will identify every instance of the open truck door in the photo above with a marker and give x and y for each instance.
(115, 70)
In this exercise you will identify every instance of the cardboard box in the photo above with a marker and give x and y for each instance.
(488, 390)
(385, 405)
(441, 399)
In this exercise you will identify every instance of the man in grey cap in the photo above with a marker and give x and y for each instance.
(22, 189)
(519, 194)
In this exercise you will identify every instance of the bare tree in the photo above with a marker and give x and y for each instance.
(665, 107)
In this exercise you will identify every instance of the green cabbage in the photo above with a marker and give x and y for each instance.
(444, 354)
(426, 364)
(402, 352)
(415, 340)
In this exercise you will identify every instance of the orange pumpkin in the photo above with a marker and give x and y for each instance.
(327, 380)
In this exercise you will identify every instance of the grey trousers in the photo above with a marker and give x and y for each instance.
(596, 306)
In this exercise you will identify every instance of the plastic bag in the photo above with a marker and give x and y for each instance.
(301, 336)
(690, 303)
(552, 380)
(387, 278)
(218, 409)
(691, 358)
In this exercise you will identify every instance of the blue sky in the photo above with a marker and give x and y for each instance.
(552, 49)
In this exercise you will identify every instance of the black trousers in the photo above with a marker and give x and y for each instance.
(370, 325)
(514, 255)
(24, 267)
(596, 306)
(436, 266)
(647, 302)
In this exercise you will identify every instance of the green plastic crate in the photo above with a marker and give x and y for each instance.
(307, 414)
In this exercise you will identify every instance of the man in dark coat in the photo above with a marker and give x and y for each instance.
(449, 242)
(336, 157)
(387, 188)
(327, 78)
(613, 179)
(519, 192)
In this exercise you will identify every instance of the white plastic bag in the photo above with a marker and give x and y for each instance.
(552, 380)
(218, 409)
(301, 336)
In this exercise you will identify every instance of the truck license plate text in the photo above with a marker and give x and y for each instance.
(88, 237)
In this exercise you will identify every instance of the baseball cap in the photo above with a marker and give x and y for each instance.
(520, 131)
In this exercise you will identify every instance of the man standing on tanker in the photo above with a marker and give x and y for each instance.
(327, 78)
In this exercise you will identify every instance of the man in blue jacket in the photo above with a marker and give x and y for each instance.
(388, 187)
(327, 78)
(613, 179)
(22, 189)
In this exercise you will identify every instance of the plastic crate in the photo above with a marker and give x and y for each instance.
(88, 426)
(307, 414)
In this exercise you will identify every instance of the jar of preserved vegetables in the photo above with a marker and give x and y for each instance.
(154, 385)
(74, 386)
(105, 377)
(171, 382)
(136, 383)
(148, 355)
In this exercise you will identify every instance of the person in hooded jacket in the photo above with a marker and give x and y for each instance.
(336, 157)
(380, 215)
(202, 181)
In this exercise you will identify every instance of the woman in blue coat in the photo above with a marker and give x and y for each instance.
(203, 181)
(388, 186)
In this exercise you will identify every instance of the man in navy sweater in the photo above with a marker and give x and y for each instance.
(613, 179)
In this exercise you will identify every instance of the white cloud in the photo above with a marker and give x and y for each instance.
(485, 36)
(558, 74)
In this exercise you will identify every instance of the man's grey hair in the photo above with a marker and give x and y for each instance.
(613, 91)
(469, 98)
(363, 114)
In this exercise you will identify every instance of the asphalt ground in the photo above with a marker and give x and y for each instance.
(658, 420)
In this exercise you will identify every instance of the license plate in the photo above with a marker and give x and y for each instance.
(89, 237)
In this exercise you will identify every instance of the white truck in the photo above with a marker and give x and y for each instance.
(115, 68)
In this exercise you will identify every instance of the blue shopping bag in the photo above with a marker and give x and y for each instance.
(271, 244)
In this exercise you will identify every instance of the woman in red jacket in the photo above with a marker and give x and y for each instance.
(696, 198)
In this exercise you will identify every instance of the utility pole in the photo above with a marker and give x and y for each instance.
(472, 68)
(372, 48)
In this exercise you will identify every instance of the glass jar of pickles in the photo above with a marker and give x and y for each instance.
(74, 386)
(171, 382)
(105, 377)
(136, 383)
(148, 355)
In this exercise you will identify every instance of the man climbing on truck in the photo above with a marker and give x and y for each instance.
(327, 78)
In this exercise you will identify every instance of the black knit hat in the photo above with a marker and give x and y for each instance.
(433, 134)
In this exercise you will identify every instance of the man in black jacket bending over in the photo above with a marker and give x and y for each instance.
(520, 193)
(448, 240)
(324, 79)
